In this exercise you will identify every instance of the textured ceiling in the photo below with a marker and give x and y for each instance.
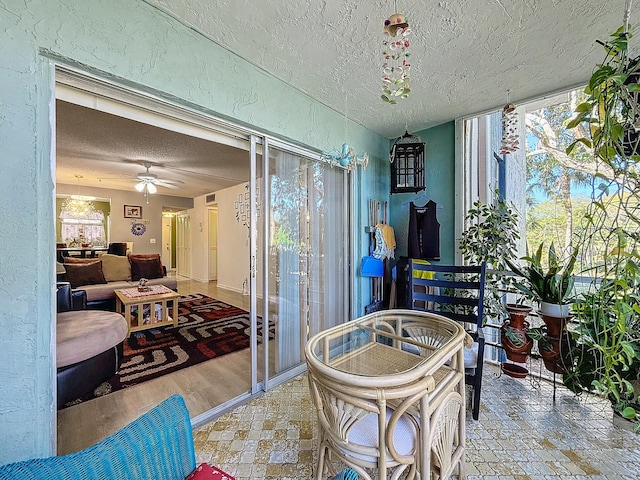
(109, 151)
(467, 56)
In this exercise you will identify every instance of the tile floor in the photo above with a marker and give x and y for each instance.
(522, 434)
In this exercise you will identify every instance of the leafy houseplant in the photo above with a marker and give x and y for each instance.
(606, 356)
(551, 286)
(554, 345)
(607, 359)
(491, 236)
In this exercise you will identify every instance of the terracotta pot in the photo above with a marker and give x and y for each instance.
(556, 326)
(556, 342)
(551, 356)
(513, 334)
(514, 370)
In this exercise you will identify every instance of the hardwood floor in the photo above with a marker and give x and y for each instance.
(203, 386)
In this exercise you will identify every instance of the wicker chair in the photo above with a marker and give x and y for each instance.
(359, 430)
(378, 424)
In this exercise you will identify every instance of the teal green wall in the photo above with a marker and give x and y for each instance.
(132, 43)
(440, 187)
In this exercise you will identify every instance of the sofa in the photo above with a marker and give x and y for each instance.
(89, 345)
(99, 277)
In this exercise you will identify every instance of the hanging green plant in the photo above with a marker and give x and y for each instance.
(606, 357)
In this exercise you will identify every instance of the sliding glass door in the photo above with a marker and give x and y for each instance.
(302, 251)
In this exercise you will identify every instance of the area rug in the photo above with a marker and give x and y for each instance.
(207, 329)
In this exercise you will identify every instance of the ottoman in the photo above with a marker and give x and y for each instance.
(89, 349)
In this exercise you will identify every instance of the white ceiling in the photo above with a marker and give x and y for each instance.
(467, 56)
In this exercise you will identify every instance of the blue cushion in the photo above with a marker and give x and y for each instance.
(158, 445)
(347, 474)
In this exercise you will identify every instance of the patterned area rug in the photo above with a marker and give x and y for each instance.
(207, 328)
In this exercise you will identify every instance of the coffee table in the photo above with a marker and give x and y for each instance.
(150, 309)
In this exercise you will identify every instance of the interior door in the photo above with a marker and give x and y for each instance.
(167, 250)
(213, 243)
(183, 244)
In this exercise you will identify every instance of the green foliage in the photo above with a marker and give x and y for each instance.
(606, 356)
(491, 236)
(610, 109)
(553, 285)
(540, 335)
(608, 336)
(547, 221)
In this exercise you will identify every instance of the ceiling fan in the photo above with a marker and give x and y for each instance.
(148, 182)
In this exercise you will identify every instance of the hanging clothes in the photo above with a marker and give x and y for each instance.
(385, 242)
(389, 239)
(424, 232)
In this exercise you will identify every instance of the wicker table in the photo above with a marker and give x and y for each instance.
(406, 367)
(144, 310)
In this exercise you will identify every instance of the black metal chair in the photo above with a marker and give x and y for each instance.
(118, 248)
(456, 292)
(59, 253)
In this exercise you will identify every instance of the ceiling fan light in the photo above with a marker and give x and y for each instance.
(151, 188)
(140, 186)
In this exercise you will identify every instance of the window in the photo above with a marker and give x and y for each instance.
(78, 230)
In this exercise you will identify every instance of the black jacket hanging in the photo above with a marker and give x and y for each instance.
(424, 232)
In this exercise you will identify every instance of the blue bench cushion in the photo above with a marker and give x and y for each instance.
(156, 446)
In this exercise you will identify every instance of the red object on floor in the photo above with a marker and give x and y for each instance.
(204, 471)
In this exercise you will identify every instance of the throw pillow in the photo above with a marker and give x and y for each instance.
(204, 471)
(145, 266)
(115, 267)
(80, 260)
(79, 274)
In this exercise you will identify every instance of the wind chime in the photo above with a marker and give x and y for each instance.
(396, 67)
(510, 135)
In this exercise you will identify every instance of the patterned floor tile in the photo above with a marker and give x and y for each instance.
(522, 434)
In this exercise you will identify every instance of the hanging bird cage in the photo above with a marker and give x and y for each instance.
(407, 164)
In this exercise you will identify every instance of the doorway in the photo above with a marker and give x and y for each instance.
(286, 266)
(168, 240)
(213, 243)
(183, 244)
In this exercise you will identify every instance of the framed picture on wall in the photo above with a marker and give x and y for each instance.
(132, 211)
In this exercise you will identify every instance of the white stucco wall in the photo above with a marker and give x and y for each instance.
(131, 42)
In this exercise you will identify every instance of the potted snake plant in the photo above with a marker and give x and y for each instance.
(551, 287)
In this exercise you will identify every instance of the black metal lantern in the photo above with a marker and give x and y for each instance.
(407, 164)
